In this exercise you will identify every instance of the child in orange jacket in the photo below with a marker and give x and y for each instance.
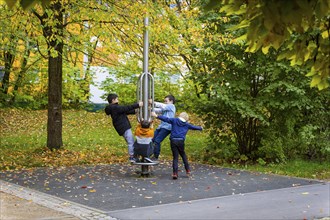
(143, 144)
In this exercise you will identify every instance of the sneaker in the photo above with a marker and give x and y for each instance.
(188, 172)
(148, 160)
(154, 159)
(132, 159)
(174, 176)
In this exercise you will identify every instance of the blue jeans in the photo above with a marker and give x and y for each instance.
(177, 147)
(159, 136)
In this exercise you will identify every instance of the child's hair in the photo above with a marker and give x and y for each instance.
(145, 124)
(184, 115)
(111, 97)
(171, 98)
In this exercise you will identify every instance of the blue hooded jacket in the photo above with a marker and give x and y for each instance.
(179, 127)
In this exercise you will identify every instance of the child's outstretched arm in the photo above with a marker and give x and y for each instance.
(129, 109)
(194, 127)
(163, 118)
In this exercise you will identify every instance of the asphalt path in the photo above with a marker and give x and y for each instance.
(209, 193)
(306, 202)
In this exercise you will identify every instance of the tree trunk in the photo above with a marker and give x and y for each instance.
(54, 125)
(9, 59)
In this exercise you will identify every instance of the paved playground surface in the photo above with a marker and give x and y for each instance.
(118, 191)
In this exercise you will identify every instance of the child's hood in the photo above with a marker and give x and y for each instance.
(144, 132)
(181, 121)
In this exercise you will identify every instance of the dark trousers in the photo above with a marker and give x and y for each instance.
(144, 150)
(177, 147)
(159, 136)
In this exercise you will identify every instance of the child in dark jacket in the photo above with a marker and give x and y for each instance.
(120, 121)
(180, 127)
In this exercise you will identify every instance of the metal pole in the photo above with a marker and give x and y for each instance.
(145, 68)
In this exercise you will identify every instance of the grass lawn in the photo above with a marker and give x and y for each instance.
(89, 138)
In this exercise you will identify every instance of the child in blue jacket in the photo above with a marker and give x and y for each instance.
(180, 127)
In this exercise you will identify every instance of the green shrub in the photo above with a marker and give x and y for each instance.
(314, 143)
(271, 150)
